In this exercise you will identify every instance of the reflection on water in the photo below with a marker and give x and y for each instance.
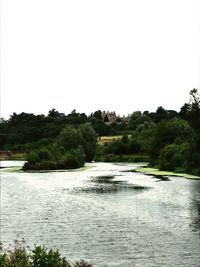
(161, 178)
(108, 184)
(195, 207)
(195, 215)
(105, 179)
(106, 214)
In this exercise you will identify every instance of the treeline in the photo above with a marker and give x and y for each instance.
(26, 131)
(169, 139)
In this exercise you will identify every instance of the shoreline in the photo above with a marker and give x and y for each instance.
(143, 170)
(156, 172)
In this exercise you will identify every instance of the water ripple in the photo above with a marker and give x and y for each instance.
(106, 214)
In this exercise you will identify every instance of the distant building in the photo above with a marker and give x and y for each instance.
(109, 116)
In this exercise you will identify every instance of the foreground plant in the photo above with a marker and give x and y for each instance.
(22, 256)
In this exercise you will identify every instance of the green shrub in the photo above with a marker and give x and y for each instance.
(70, 149)
(33, 157)
(47, 258)
(43, 165)
(44, 154)
(123, 146)
(71, 161)
(22, 256)
(79, 154)
(173, 157)
(134, 147)
(122, 158)
(16, 258)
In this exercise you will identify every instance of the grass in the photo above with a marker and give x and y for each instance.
(108, 138)
(154, 171)
(103, 139)
(13, 156)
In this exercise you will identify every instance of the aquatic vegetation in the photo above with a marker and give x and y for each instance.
(156, 172)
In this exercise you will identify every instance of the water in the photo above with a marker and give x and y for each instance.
(105, 214)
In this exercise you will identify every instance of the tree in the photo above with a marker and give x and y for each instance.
(167, 132)
(98, 115)
(194, 110)
(76, 118)
(161, 114)
(194, 97)
(88, 140)
(136, 119)
(100, 127)
(144, 134)
(184, 111)
(173, 157)
(69, 138)
(72, 138)
(53, 113)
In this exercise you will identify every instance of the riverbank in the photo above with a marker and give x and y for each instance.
(122, 158)
(157, 172)
(15, 166)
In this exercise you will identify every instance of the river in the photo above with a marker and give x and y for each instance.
(106, 214)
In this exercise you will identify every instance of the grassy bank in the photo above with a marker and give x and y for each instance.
(156, 172)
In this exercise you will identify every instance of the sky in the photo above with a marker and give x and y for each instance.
(116, 55)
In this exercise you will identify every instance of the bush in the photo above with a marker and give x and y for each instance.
(173, 157)
(70, 150)
(71, 161)
(122, 146)
(33, 157)
(22, 256)
(44, 154)
(43, 165)
(88, 141)
(55, 158)
(134, 147)
(122, 158)
(79, 154)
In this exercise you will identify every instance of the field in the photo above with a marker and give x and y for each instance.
(4, 155)
(103, 139)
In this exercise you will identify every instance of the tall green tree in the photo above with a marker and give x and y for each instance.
(88, 141)
(167, 132)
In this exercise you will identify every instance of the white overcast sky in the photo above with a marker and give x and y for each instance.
(86, 55)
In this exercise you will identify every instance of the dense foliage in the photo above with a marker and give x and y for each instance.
(70, 149)
(169, 139)
(22, 256)
(27, 131)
